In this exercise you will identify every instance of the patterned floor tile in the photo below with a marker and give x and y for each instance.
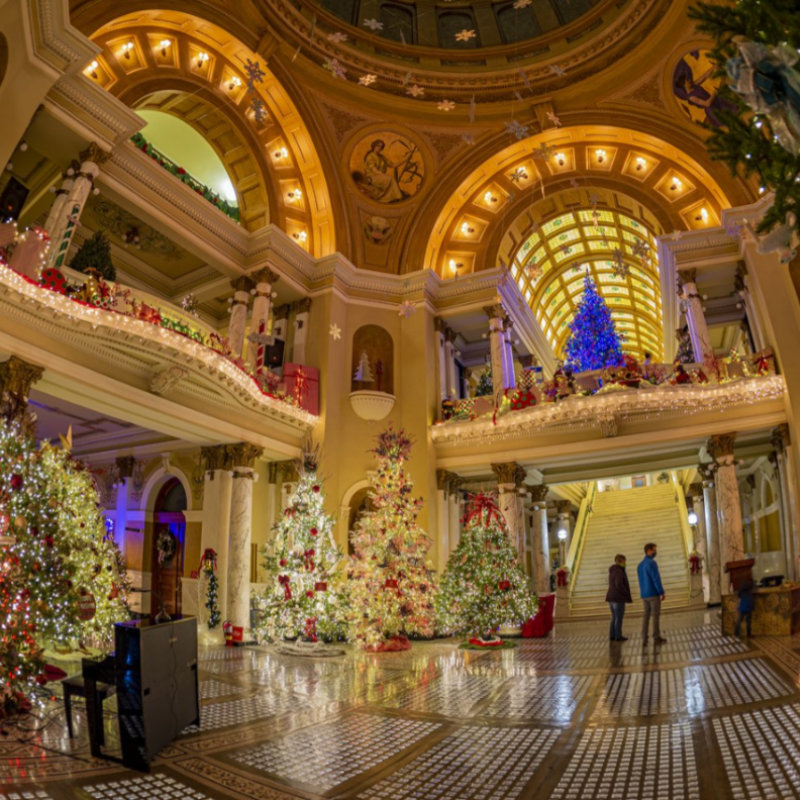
(242, 712)
(453, 694)
(211, 689)
(147, 787)
(544, 697)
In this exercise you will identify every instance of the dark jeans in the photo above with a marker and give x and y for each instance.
(617, 613)
(747, 616)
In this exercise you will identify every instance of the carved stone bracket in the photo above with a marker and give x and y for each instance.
(165, 382)
(609, 425)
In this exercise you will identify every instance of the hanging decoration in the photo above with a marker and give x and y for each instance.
(208, 567)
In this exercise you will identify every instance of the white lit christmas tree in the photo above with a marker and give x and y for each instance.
(364, 371)
(392, 584)
(304, 594)
(483, 586)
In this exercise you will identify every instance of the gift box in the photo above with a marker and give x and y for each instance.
(525, 399)
(302, 383)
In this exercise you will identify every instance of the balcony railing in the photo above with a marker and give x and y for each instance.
(185, 177)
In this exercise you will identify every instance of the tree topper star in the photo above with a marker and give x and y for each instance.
(335, 331)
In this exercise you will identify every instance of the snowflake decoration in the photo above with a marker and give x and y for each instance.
(190, 305)
(335, 331)
(594, 198)
(468, 138)
(335, 68)
(406, 79)
(641, 250)
(259, 109)
(254, 73)
(472, 107)
(733, 229)
(525, 78)
(557, 69)
(446, 105)
(373, 24)
(676, 234)
(518, 175)
(337, 37)
(518, 4)
(621, 269)
(573, 182)
(465, 35)
(407, 308)
(367, 80)
(517, 129)
(534, 270)
(553, 117)
(415, 91)
(542, 153)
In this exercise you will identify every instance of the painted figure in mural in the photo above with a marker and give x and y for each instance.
(693, 83)
(389, 181)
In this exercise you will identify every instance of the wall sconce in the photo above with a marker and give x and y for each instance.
(126, 49)
(677, 184)
(282, 153)
(301, 237)
(92, 69)
(601, 155)
(235, 83)
(489, 198)
(703, 215)
(693, 517)
(165, 44)
(465, 228)
(561, 159)
(202, 58)
(640, 164)
(455, 266)
(295, 195)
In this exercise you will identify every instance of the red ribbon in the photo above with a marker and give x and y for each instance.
(283, 580)
(308, 558)
(481, 503)
(209, 554)
(301, 383)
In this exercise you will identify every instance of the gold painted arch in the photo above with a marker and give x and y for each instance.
(196, 70)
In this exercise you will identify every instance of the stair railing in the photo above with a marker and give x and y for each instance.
(576, 545)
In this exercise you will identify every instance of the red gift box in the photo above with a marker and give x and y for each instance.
(391, 583)
(504, 586)
(302, 383)
(320, 586)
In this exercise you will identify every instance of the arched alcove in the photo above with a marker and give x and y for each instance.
(376, 344)
(168, 547)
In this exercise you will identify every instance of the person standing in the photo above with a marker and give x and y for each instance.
(652, 593)
(747, 604)
(619, 593)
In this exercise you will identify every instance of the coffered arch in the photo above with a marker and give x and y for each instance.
(170, 61)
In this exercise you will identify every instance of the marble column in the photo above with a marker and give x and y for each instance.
(509, 477)
(58, 211)
(301, 309)
(712, 533)
(16, 379)
(244, 457)
(264, 279)
(65, 226)
(441, 330)
(695, 316)
(787, 480)
(497, 316)
(729, 507)
(700, 537)
(241, 301)
(125, 466)
(455, 515)
(451, 371)
(443, 514)
(272, 494)
(508, 354)
(215, 534)
(540, 554)
(753, 323)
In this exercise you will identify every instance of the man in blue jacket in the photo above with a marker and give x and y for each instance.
(652, 593)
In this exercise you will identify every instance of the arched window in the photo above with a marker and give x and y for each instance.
(569, 10)
(451, 23)
(344, 9)
(373, 360)
(517, 25)
(399, 23)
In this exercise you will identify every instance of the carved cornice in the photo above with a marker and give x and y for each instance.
(301, 306)
(721, 445)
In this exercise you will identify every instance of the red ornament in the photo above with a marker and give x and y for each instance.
(16, 482)
(310, 594)
(36, 566)
(282, 562)
(49, 541)
(391, 583)
(315, 489)
(313, 531)
(283, 580)
(504, 586)
(87, 607)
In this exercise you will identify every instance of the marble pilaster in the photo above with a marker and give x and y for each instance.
(508, 354)
(264, 279)
(786, 477)
(743, 288)
(695, 316)
(497, 316)
(241, 300)
(451, 371)
(510, 476)
(712, 535)
(540, 555)
(301, 310)
(729, 507)
(440, 332)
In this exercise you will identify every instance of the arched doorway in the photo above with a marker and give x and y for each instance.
(169, 539)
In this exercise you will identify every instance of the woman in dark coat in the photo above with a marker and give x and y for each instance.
(619, 593)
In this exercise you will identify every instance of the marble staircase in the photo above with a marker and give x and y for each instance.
(623, 522)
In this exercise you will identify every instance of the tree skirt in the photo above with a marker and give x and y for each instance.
(308, 649)
(393, 644)
(487, 644)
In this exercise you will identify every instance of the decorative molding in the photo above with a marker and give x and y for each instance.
(165, 382)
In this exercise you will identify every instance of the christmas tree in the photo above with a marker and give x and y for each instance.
(484, 387)
(392, 584)
(364, 371)
(483, 586)
(95, 253)
(756, 50)
(593, 342)
(304, 597)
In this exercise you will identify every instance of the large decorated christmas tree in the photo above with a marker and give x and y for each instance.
(392, 584)
(593, 342)
(483, 586)
(304, 596)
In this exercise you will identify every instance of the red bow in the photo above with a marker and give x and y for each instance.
(209, 556)
(478, 504)
(283, 580)
(308, 557)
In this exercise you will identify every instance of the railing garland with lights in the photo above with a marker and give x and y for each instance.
(182, 175)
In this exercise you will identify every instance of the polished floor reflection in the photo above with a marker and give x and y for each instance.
(572, 717)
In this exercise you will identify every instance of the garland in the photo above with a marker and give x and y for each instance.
(166, 545)
(208, 565)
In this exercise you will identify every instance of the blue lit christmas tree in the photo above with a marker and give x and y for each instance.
(593, 342)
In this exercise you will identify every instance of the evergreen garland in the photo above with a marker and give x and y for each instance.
(209, 567)
(748, 141)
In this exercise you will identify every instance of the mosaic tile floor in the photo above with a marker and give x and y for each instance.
(571, 717)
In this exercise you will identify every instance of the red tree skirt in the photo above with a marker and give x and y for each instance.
(478, 642)
(393, 644)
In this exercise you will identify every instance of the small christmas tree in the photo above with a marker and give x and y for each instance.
(685, 352)
(593, 342)
(483, 586)
(484, 387)
(95, 253)
(303, 597)
(364, 371)
(392, 584)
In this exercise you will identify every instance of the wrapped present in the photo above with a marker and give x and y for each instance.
(481, 406)
(302, 383)
(526, 379)
(525, 399)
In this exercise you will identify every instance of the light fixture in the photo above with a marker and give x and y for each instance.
(301, 236)
(693, 517)
(641, 164)
(132, 237)
(164, 44)
(282, 153)
(677, 184)
(561, 159)
(202, 58)
(295, 195)
(455, 266)
(601, 155)
(703, 215)
(489, 198)
(465, 228)
(126, 49)
(235, 83)
(562, 535)
(93, 69)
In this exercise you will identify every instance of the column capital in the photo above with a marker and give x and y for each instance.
(272, 472)
(686, 276)
(16, 378)
(720, 445)
(95, 154)
(539, 492)
(509, 474)
(125, 466)
(781, 438)
(495, 311)
(695, 490)
(215, 457)
(244, 454)
(301, 306)
(450, 335)
(751, 482)
(288, 471)
(264, 275)
(439, 325)
(281, 312)
(242, 284)
(563, 506)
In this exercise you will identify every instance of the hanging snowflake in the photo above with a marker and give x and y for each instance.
(518, 175)
(373, 24)
(465, 35)
(190, 305)
(336, 69)
(534, 270)
(525, 78)
(407, 308)
(367, 80)
(573, 182)
(335, 331)
(733, 229)
(594, 198)
(406, 79)
(337, 37)
(254, 73)
(641, 250)
(259, 109)
(557, 69)
(518, 130)
(542, 153)
(472, 110)
(415, 91)
(553, 117)
(621, 269)
(518, 4)
(468, 138)
(445, 105)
